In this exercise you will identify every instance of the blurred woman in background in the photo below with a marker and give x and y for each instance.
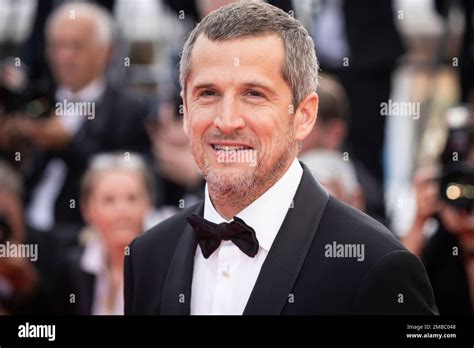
(115, 199)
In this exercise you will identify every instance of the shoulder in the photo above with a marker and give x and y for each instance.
(388, 279)
(346, 225)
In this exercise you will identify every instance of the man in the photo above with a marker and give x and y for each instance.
(33, 50)
(248, 76)
(89, 115)
(327, 138)
(363, 63)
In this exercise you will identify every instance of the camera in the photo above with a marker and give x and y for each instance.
(16, 95)
(457, 186)
(457, 173)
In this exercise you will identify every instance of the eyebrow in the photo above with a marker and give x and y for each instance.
(204, 85)
(249, 84)
(259, 84)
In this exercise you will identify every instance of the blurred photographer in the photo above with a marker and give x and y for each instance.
(18, 278)
(25, 282)
(445, 204)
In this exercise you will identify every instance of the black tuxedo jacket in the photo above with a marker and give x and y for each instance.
(297, 276)
(119, 125)
(72, 279)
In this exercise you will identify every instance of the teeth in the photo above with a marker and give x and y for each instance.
(230, 148)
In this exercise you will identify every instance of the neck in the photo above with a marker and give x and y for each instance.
(228, 207)
(76, 89)
(116, 257)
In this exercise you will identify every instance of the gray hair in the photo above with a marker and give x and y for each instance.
(106, 162)
(10, 180)
(252, 18)
(99, 16)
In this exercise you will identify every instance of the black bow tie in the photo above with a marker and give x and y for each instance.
(209, 235)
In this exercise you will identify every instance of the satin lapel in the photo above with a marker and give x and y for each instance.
(176, 299)
(288, 252)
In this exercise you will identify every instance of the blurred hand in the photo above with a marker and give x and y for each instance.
(20, 273)
(49, 133)
(427, 194)
(13, 77)
(427, 204)
(6, 136)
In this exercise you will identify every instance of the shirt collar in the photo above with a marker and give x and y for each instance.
(93, 257)
(89, 93)
(266, 214)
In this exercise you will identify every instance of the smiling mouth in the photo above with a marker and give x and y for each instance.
(230, 148)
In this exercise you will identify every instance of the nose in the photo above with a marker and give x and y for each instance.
(229, 117)
(123, 209)
(64, 52)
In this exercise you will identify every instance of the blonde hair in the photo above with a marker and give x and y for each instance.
(106, 162)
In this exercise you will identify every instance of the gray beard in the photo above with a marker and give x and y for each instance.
(242, 189)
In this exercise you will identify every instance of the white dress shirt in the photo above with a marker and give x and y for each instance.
(91, 93)
(222, 284)
(94, 261)
(40, 211)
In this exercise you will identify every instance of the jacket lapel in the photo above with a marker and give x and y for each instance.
(288, 252)
(176, 299)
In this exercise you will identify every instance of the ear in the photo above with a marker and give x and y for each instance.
(185, 114)
(305, 116)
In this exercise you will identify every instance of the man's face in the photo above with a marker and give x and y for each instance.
(239, 113)
(75, 55)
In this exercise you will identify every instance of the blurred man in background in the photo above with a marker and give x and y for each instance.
(325, 153)
(358, 42)
(86, 115)
(34, 49)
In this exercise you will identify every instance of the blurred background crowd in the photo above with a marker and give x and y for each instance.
(393, 137)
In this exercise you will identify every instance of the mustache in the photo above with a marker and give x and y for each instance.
(235, 136)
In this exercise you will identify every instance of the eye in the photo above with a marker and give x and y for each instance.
(132, 198)
(109, 199)
(254, 94)
(208, 93)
